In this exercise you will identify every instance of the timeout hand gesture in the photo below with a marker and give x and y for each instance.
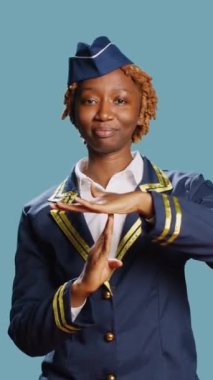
(98, 267)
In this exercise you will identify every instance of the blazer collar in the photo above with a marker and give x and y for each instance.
(154, 179)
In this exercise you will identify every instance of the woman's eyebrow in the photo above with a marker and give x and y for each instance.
(86, 88)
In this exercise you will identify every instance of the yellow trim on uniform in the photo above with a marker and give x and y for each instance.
(63, 222)
(58, 193)
(128, 239)
(129, 243)
(80, 244)
(68, 197)
(168, 218)
(56, 315)
(60, 196)
(164, 183)
(61, 307)
(177, 223)
(70, 232)
(58, 297)
(74, 232)
(134, 232)
(127, 236)
(73, 236)
(162, 177)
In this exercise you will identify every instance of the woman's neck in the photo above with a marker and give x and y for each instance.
(100, 168)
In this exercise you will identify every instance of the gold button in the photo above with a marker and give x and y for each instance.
(106, 295)
(111, 377)
(109, 336)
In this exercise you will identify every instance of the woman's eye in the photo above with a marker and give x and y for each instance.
(88, 101)
(120, 101)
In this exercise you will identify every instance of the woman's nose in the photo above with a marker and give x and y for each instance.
(104, 111)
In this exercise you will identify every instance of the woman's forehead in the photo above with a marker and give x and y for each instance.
(116, 79)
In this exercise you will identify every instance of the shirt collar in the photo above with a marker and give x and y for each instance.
(134, 169)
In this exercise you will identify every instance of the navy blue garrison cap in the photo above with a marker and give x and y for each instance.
(92, 61)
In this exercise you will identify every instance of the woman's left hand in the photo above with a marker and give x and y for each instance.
(112, 203)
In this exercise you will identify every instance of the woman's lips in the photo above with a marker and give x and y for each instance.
(104, 132)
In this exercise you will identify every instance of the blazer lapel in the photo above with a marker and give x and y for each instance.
(132, 229)
(72, 224)
(154, 179)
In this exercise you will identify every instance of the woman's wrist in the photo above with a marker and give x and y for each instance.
(145, 205)
(78, 294)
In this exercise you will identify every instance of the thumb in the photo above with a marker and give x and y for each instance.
(95, 191)
(114, 263)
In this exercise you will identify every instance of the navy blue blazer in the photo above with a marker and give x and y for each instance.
(136, 326)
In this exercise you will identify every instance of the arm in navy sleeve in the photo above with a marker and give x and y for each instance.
(40, 317)
(184, 218)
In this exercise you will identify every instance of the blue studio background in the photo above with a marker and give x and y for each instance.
(171, 40)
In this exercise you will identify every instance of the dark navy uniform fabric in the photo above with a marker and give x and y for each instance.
(138, 325)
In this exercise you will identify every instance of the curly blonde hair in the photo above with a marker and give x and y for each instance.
(148, 99)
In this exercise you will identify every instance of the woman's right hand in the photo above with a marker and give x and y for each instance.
(97, 269)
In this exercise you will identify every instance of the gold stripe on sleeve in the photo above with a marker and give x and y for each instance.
(168, 218)
(178, 222)
(56, 314)
(61, 307)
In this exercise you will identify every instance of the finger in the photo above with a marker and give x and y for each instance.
(108, 229)
(53, 206)
(107, 233)
(103, 243)
(85, 203)
(62, 206)
(95, 253)
(74, 207)
(94, 207)
(97, 202)
(96, 250)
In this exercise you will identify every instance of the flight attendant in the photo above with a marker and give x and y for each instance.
(99, 286)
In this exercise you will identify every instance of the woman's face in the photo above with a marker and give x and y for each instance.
(106, 112)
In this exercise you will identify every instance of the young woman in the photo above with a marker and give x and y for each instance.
(99, 286)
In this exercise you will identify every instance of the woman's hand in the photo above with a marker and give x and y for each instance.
(98, 267)
(112, 203)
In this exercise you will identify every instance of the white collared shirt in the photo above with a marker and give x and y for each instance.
(121, 182)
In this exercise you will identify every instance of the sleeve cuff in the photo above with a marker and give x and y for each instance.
(168, 218)
(61, 311)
